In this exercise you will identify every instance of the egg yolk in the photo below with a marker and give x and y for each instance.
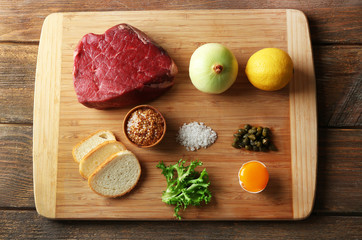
(253, 176)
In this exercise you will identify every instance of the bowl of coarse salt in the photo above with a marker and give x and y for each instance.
(144, 126)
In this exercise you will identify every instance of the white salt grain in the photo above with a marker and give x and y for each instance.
(196, 135)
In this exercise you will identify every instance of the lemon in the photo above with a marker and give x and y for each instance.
(269, 69)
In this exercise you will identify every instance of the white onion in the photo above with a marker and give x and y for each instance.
(213, 68)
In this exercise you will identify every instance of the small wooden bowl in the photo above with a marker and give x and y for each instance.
(125, 121)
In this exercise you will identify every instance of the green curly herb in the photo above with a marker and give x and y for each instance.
(185, 186)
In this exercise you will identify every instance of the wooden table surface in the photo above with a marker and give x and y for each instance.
(335, 28)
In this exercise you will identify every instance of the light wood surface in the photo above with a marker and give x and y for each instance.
(60, 121)
(46, 116)
(335, 30)
(303, 115)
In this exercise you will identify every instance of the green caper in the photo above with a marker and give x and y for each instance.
(252, 137)
(246, 141)
(236, 144)
(252, 131)
(240, 135)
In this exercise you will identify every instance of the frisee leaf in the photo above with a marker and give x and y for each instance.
(185, 186)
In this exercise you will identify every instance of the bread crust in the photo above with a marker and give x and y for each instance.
(85, 139)
(104, 164)
(96, 149)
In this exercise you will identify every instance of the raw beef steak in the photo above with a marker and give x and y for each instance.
(119, 68)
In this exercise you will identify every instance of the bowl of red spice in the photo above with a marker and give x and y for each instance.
(144, 126)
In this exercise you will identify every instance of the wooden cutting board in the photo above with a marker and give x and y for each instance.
(60, 122)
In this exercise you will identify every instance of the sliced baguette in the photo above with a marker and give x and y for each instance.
(90, 142)
(116, 176)
(97, 156)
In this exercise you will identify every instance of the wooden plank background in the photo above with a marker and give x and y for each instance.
(335, 28)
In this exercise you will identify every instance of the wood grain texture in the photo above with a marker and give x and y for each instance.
(46, 125)
(76, 121)
(337, 64)
(303, 115)
(17, 71)
(28, 225)
(330, 21)
(339, 85)
(338, 173)
(335, 25)
(337, 70)
(16, 183)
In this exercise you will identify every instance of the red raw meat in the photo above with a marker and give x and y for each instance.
(119, 68)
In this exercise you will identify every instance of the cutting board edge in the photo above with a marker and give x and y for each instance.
(304, 115)
(175, 11)
(46, 116)
(51, 213)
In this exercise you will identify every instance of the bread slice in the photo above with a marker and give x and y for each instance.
(116, 176)
(90, 142)
(97, 156)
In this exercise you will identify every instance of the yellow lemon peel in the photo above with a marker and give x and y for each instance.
(269, 69)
